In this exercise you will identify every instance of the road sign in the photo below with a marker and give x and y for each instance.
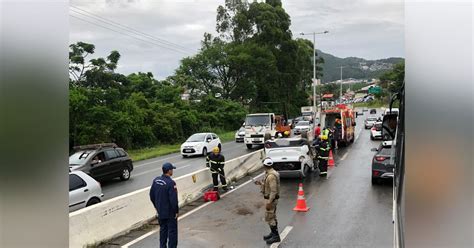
(375, 90)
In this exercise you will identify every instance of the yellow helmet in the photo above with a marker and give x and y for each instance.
(287, 132)
(324, 137)
(215, 149)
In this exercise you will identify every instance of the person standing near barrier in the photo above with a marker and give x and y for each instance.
(323, 156)
(215, 161)
(164, 196)
(270, 187)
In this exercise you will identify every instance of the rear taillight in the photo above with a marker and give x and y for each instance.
(373, 129)
(380, 158)
(376, 173)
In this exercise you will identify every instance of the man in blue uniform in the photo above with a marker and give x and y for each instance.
(164, 196)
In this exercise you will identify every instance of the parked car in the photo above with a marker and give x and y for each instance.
(382, 162)
(376, 131)
(297, 119)
(101, 161)
(301, 126)
(291, 156)
(84, 191)
(200, 144)
(373, 111)
(369, 121)
(240, 134)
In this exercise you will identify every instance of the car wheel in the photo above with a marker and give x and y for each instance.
(125, 174)
(371, 137)
(375, 180)
(249, 146)
(185, 156)
(204, 151)
(92, 201)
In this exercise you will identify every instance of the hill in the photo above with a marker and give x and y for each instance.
(354, 67)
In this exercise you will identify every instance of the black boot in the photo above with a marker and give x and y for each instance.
(275, 236)
(265, 237)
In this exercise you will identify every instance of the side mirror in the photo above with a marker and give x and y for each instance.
(208, 140)
(389, 126)
(374, 149)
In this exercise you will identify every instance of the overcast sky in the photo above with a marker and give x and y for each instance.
(370, 29)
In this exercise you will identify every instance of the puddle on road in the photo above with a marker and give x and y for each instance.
(243, 211)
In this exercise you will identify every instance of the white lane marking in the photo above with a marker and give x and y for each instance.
(282, 236)
(357, 137)
(159, 168)
(345, 155)
(127, 245)
(163, 159)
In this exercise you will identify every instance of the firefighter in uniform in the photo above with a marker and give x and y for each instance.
(215, 161)
(270, 187)
(323, 156)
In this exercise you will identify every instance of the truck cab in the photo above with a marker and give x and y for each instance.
(259, 127)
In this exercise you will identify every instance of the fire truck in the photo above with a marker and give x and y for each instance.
(346, 114)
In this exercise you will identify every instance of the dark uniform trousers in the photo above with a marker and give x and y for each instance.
(216, 165)
(168, 232)
(323, 156)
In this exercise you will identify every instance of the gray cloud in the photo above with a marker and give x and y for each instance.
(364, 28)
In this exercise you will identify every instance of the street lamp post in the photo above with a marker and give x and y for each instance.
(314, 68)
(340, 92)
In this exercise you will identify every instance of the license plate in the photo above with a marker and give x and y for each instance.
(257, 140)
(188, 150)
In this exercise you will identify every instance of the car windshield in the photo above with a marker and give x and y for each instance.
(285, 143)
(303, 123)
(80, 157)
(197, 137)
(257, 120)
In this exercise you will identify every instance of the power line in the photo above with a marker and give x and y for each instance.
(129, 29)
(132, 36)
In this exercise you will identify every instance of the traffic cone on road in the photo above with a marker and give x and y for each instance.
(331, 159)
(301, 202)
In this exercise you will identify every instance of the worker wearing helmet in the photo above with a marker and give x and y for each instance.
(286, 133)
(215, 161)
(323, 156)
(270, 187)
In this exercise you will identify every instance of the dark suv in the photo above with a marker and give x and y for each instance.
(101, 161)
(382, 164)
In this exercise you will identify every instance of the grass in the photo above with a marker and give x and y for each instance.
(371, 104)
(164, 149)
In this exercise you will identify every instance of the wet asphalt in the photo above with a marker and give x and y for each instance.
(346, 210)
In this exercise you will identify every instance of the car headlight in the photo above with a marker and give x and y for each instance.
(242, 133)
(301, 159)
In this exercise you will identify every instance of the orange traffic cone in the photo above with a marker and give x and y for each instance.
(301, 202)
(331, 159)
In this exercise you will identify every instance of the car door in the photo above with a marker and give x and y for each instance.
(215, 140)
(102, 169)
(78, 192)
(114, 167)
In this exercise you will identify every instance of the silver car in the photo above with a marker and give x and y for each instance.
(291, 156)
(301, 127)
(84, 191)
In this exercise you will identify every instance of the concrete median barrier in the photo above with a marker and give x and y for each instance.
(117, 216)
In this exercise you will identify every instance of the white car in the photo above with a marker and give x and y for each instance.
(291, 156)
(376, 131)
(370, 121)
(240, 135)
(302, 126)
(84, 191)
(393, 111)
(200, 144)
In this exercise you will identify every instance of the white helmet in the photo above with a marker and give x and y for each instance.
(268, 162)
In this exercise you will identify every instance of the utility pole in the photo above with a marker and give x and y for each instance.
(340, 92)
(314, 68)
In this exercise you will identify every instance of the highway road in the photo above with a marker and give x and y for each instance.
(145, 171)
(346, 210)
